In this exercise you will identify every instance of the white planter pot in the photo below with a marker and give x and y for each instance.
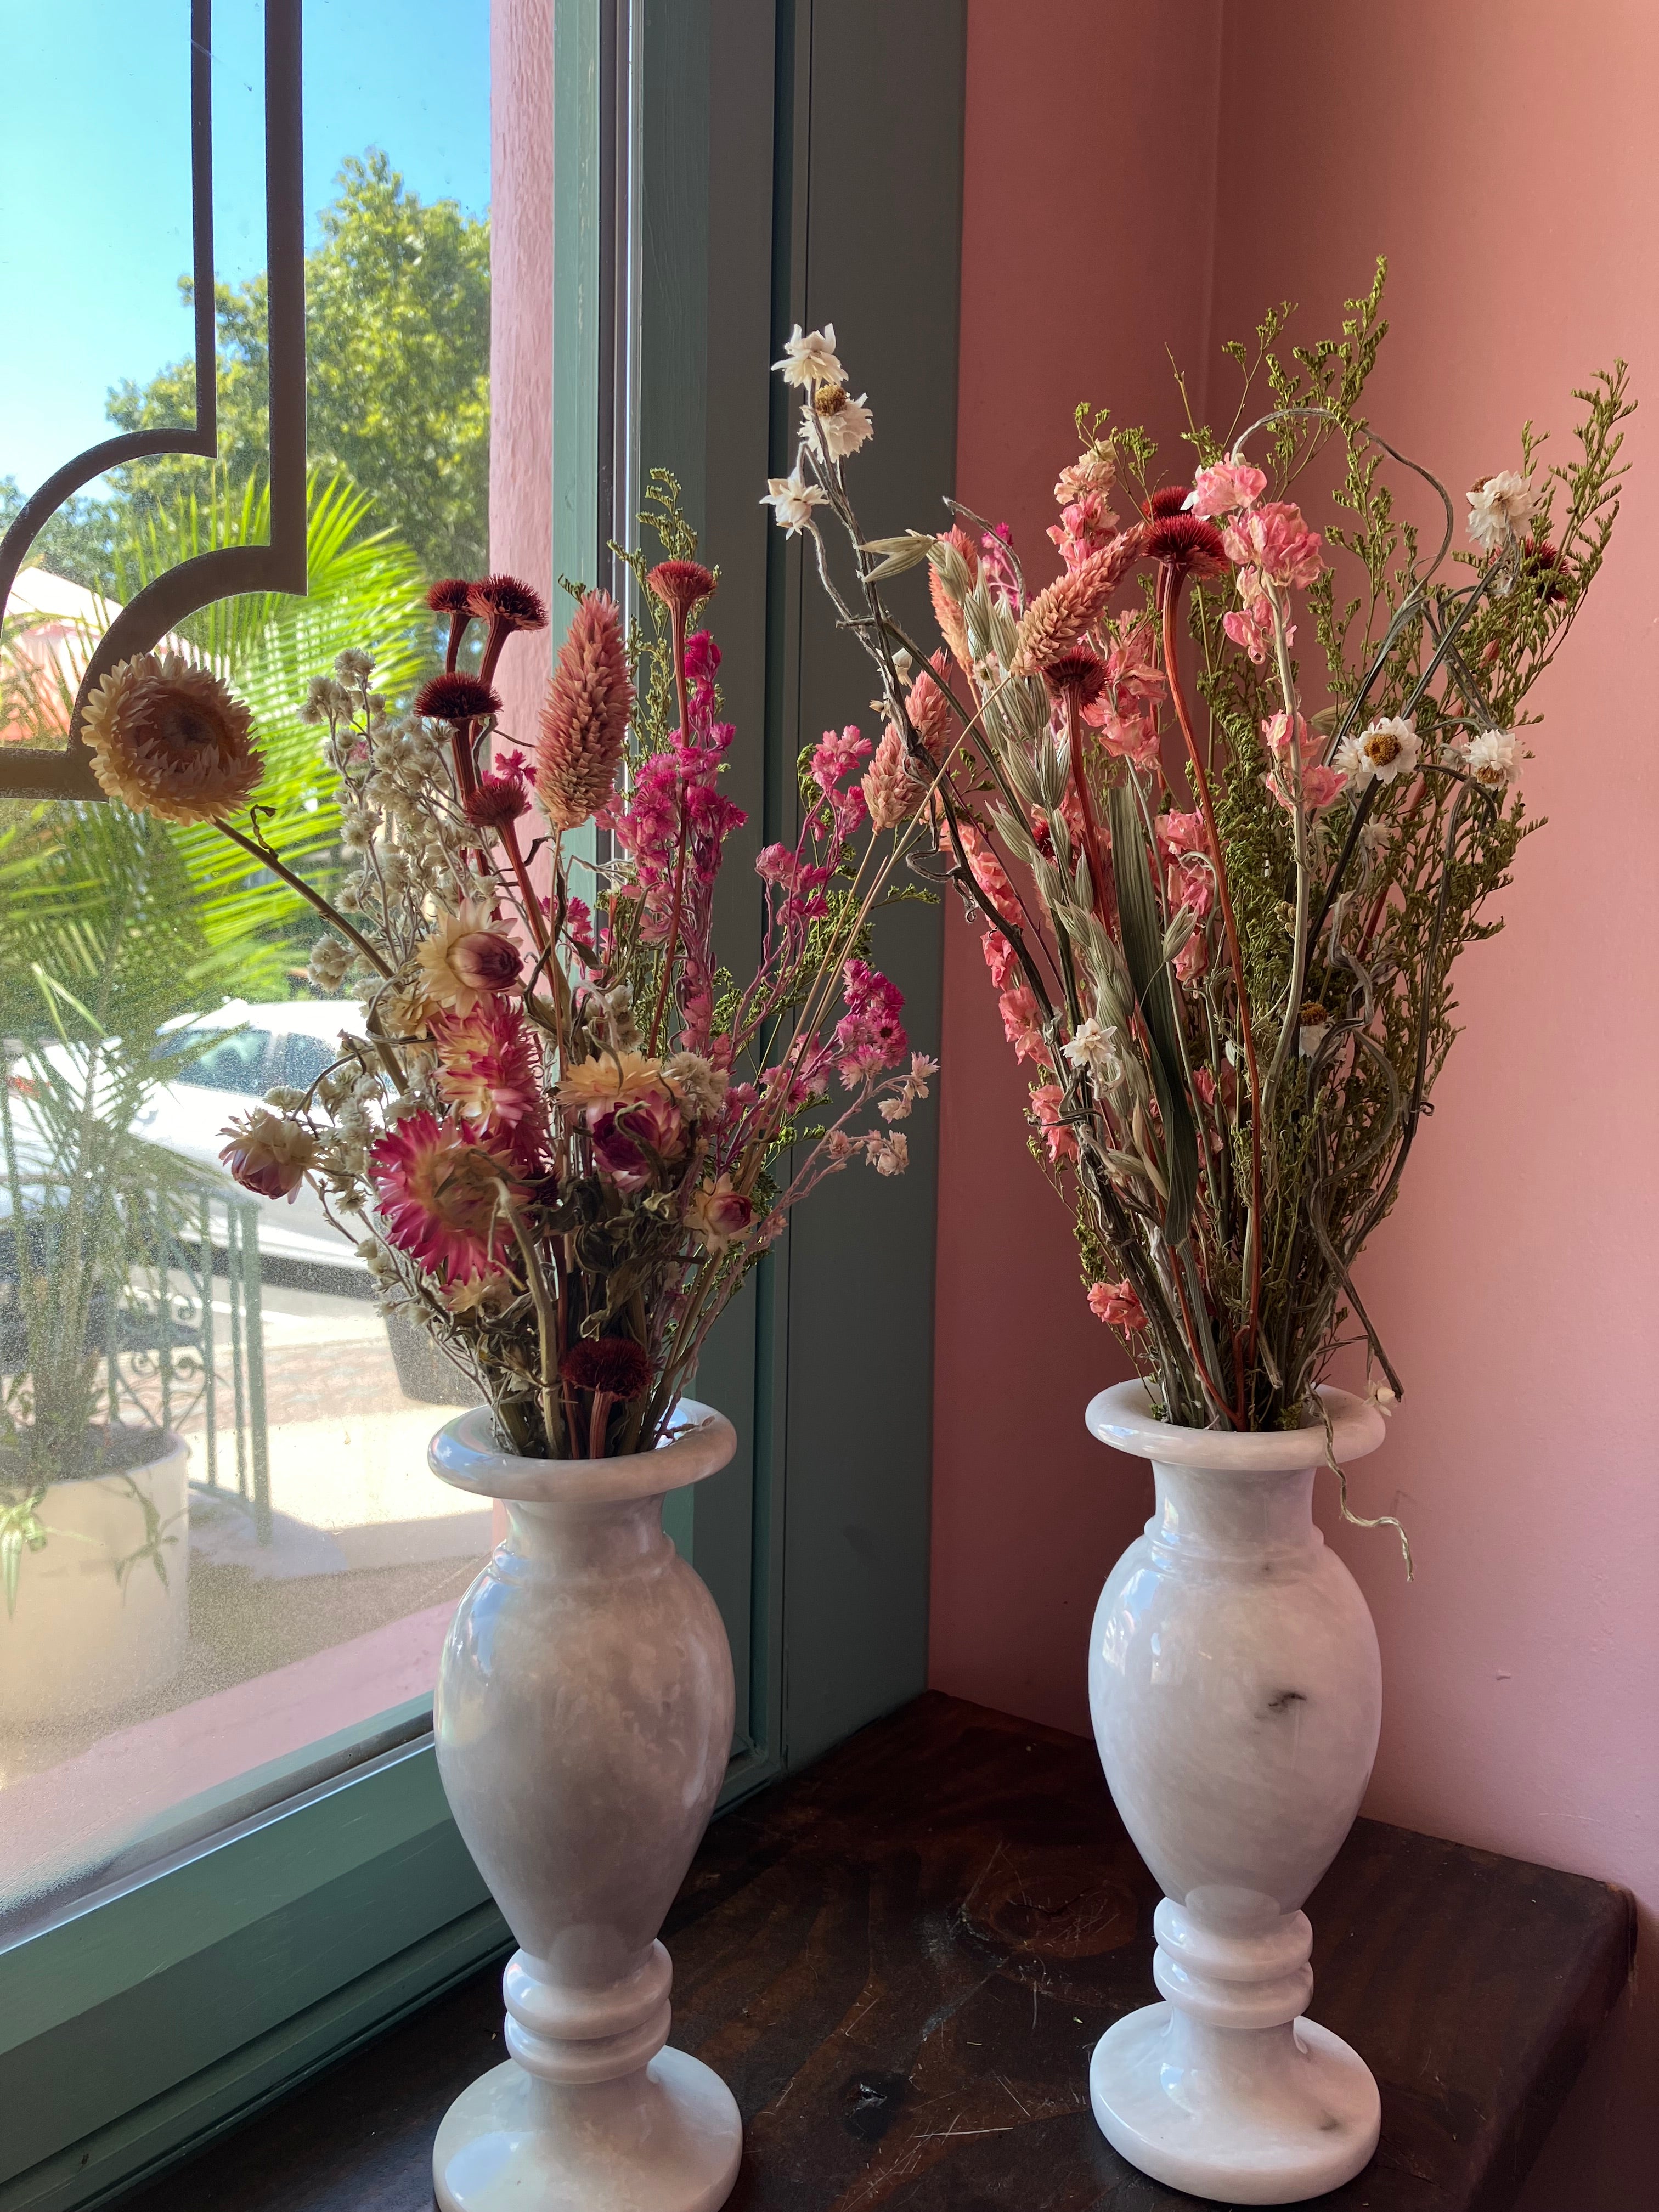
(1235, 1688)
(91, 1637)
(584, 1722)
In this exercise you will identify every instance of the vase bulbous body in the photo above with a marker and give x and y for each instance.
(1235, 1689)
(583, 1720)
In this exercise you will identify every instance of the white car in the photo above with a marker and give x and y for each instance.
(252, 1049)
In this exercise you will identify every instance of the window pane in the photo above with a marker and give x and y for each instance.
(226, 1568)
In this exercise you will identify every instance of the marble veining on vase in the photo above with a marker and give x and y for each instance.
(584, 1720)
(1235, 1688)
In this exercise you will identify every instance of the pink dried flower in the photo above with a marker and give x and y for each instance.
(1064, 610)
(634, 1141)
(1276, 540)
(269, 1155)
(442, 1194)
(892, 789)
(1185, 545)
(1046, 1099)
(1022, 1024)
(1223, 486)
(718, 1213)
(869, 1037)
(1118, 1304)
(584, 720)
(497, 800)
(999, 956)
(505, 603)
(681, 586)
(486, 1066)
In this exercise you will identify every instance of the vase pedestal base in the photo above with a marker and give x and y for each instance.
(667, 2138)
(1254, 2116)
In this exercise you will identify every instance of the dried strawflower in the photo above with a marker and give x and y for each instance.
(719, 1214)
(467, 957)
(584, 720)
(1500, 507)
(171, 740)
(1384, 749)
(268, 1154)
(792, 500)
(442, 1195)
(810, 359)
(842, 424)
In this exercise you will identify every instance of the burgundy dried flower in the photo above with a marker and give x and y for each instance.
(1187, 545)
(1167, 500)
(450, 595)
(506, 603)
(1543, 565)
(497, 800)
(584, 716)
(453, 698)
(613, 1364)
(1079, 671)
(681, 585)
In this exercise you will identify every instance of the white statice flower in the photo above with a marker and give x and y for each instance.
(1384, 749)
(354, 665)
(792, 500)
(285, 1098)
(1500, 509)
(1494, 759)
(810, 359)
(841, 423)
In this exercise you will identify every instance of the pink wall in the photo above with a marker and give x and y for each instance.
(1201, 163)
(521, 327)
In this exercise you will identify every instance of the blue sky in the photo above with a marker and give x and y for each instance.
(95, 174)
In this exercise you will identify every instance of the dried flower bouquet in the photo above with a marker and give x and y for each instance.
(564, 1132)
(1221, 890)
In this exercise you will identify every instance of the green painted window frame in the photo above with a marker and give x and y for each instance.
(779, 161)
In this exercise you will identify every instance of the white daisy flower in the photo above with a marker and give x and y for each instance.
(1384, 749)
(843, 424)
(792, 500)
(811, 359)
(1494, 759)
(1500, 509)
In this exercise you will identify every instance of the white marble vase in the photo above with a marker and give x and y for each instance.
(1235, 1689)
(584, 1721)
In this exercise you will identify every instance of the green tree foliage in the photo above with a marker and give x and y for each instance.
(397, 337)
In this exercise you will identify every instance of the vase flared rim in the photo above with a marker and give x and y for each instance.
(1124, 1417)
(464, 1455)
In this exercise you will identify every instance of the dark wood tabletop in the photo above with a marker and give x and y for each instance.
(901, 1958)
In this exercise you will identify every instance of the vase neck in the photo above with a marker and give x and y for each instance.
(1221, 1512)
(607, 1537)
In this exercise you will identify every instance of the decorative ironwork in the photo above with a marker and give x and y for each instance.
(34, 771)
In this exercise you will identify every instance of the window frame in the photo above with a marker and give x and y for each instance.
(157, 2014)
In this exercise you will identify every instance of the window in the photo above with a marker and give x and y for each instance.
(228, 1855)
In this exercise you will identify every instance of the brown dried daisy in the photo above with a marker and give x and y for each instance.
(457, 699)
(169, 739)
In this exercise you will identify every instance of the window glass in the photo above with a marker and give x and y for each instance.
(227, 1570)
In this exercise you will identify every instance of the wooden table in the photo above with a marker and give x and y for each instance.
(901, 1958)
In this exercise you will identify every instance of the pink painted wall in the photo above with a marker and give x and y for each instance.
(1200, 163)
(521, 328)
